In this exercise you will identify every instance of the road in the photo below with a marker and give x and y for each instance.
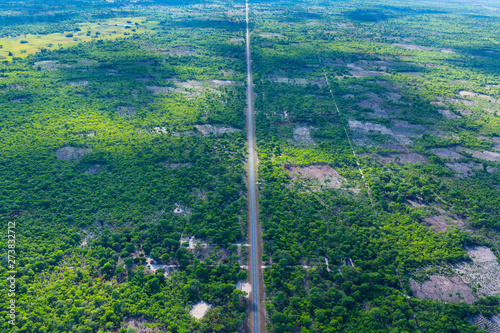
(252, 162)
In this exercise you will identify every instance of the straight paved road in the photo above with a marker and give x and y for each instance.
(255, 260)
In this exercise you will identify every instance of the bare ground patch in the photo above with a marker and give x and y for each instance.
(79, 83)
(174, 165)
(450, 289)
(92, 169)
(215, 130)
(157, 90)
(464, 169)
(182, 50)
(125, 110)
(72, 153)
(324, 174)
(483, 155)
(446, 153)
(483, 272)
(473, 94)
(402, 158)
(244, 286)
(448, 114)
(49, 65)
(141, 325)
(436, 221)
(401, 131)
(413, 47)
(200, 309)
(491, 325)
(302, 136)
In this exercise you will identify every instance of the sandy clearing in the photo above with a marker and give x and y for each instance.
(244, 286)
(125, 110)
(174, 165)
(401, 131)
(72, 153)
(446, 153)
(374, 105)
(182, 50)
(464, 169)
(413, 47)
(491, 325)
(161, 90)
(325, 174)
(49, 65)
(473, 94)
(448, 114)
(483, 155)
(193, 242)
(215, 130)
(302, 136)
(437, 221)
(79, 83)
(408, 158)
(483, 272)
(200, 309)
(450, 289)
(160, 130)
(92, 169)
(446, 50)
(223, 82)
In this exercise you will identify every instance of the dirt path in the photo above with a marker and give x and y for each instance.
(352, 147)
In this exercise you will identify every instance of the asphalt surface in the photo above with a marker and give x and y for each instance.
(252, 190)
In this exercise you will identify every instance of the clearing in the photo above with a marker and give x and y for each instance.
(483, 272)
(450, 289)
(324, 174)
(199, 310)
(72, 153)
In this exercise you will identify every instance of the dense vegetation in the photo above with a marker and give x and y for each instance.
(123, 148)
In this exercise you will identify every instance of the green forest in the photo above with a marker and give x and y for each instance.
(123, 164)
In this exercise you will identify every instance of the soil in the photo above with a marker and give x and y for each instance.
(92, 169)
(49, 65)
(472, 94)
(448, 114)
(325, 174)
(302, 136)
(450, 289)
(401, 131)
(445, 50)
(182, 50)
(79, 83)
(174, 165)
(402, 158)
(215, 130)
(72, 153)
(160, 130)
(138, 324)
(436, 221)
(464, 169)
(223, 82)
(413, 47)
(484, 155)
(491, 325)
(446, 153)
(125, 110)
(199, 310)
(244, 286)
(161, 90)
(483, 272)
